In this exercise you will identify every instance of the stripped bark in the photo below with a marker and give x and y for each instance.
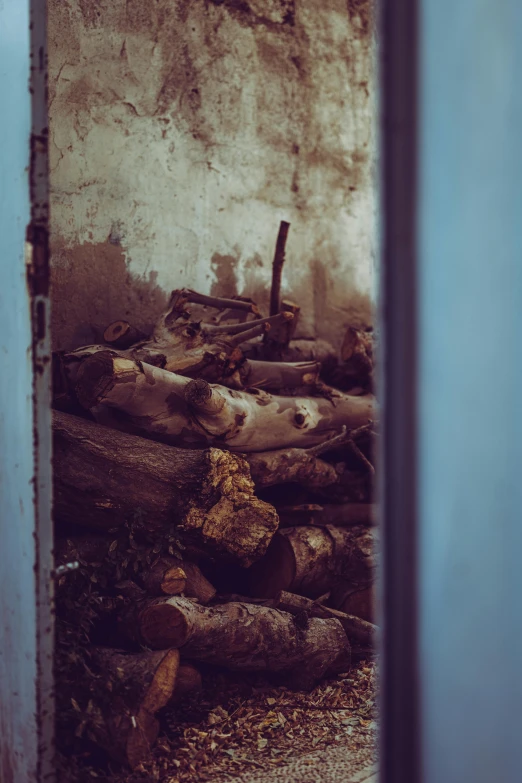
(177, 410)
(216, 361)
(137, 686)
(241, 636)
(287, 466)
(308, 560)
(105, 479)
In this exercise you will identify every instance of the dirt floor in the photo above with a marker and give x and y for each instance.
(247, 730)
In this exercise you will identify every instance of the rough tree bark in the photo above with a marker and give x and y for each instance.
(357, 630)
(241, 636)
(308, 560)
(104, 479)
(131, 690)
(177, 410)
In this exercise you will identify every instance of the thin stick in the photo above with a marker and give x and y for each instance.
(218, 302)
(348, 438)
(238, 328)
(242, 337)
(355, 448)
(277, 268)
(337, 440)
(322, 598)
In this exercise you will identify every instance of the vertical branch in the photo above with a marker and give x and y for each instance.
(277, 268)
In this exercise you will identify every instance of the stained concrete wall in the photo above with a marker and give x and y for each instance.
(183, 131)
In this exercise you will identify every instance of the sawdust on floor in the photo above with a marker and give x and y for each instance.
(241, 725)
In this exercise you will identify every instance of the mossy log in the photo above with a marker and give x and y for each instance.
(105, 479)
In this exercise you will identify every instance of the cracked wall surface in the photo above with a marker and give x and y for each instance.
(182, 132)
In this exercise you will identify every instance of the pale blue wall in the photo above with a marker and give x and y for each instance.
(470, 266)
(23, 695)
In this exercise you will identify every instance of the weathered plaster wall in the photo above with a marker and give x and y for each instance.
(183, 131)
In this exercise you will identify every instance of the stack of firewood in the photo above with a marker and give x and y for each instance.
(212, 500)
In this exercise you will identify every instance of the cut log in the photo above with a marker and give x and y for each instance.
(166, 576)
(357, 630)
(136, 687)
(105, 479)
(174, 409)
(307, 560)
(188, 682)
(197, 585)
(240, 636)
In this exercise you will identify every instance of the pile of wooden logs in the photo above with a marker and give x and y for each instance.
(212, 501)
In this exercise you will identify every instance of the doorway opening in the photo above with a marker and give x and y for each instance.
(213, 258)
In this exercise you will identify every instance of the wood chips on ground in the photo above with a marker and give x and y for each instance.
(243, 724)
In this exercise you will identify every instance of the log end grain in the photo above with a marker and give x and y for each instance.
(162, 625)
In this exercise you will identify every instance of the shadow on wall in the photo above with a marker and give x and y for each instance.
(91, 286)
